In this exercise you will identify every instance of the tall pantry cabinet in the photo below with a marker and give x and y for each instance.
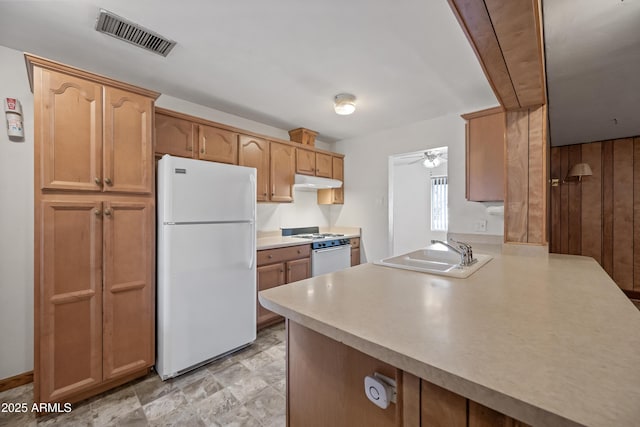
(94, 232)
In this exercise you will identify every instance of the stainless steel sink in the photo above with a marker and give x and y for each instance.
(434, 260)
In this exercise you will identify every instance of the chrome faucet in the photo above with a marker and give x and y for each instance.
(463, 249)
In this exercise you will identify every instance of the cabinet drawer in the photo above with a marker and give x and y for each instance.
(355, 242)
(270, 256)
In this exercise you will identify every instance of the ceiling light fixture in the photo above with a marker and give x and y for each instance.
(431, 161)
(344, 104)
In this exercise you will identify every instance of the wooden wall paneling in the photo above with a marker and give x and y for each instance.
(476, 24)
(623, 213)
(517, 184)
(564, 201)
(575, 204)
(591, 209)
(636, 214)
(516, 27)
(537, 208)
(555, 156)
(607, 207)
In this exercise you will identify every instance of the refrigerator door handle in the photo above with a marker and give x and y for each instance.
(252, 178)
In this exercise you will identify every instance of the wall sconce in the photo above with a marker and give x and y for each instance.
(577, 171)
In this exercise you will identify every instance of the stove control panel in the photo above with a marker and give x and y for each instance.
(329, 243)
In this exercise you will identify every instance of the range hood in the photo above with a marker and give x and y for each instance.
(311, 183)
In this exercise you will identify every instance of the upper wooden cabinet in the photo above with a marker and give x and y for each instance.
(305, 162)
(334, 196)
(281, 172)
(175, 136)
(324, 165)
(485, 133)
(276, 161)
(128, 141)
(254, 152)
(312, 163)
(97, 138)
(217, 145)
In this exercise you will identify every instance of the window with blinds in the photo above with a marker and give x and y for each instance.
(439, 214)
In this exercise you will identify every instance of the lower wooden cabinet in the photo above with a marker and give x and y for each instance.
(94, 293)
(269, 276)
(355, 251)
(277, 267)
(325, 387)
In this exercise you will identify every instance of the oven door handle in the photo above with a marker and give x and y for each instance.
(335, 248)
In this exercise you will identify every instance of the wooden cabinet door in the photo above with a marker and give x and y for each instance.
(441, 408)
(68, 118)
(269, 276)
(334, 196)
(175, 136)
(128, 287)
(305, 162)
(218, 145)
(281, 172)
(325, 383)
(355, 256)
(298, 269)
(485, 158)
(338, 173)
(324, 165)
(69, 298)
(254, 152)
(128, 142)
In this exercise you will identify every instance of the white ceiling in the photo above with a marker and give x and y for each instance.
(593, 69)
(279, 62)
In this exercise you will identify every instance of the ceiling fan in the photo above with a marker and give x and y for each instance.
(431, 159)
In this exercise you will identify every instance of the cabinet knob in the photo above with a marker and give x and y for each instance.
(202, 151)
(273, 194)
(107, 181)
(97, 212)
(108, 212)
(281, 271)
(299, 251)
(264, 194)
(97, 180)
(270, 256)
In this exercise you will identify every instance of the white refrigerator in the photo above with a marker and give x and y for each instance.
(206, 262)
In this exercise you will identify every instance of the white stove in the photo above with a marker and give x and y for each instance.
(329, 252)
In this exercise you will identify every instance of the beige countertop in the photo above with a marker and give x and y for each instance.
(549, 340)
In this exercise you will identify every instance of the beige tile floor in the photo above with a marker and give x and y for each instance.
(244, 389)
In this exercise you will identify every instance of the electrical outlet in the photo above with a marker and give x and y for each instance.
(480, 225)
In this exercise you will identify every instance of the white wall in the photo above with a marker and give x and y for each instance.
(366, 180)
(16, 224)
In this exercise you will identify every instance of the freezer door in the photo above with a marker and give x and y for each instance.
(199, 191)
(206, 293)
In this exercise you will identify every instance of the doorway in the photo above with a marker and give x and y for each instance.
(418, 199)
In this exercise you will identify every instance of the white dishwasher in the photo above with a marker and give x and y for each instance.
(329, 256)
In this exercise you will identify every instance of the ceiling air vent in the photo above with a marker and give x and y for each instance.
(122, 29)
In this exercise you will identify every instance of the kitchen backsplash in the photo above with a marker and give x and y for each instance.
(302, 212)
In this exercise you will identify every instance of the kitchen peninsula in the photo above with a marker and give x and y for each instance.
(541, 340)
